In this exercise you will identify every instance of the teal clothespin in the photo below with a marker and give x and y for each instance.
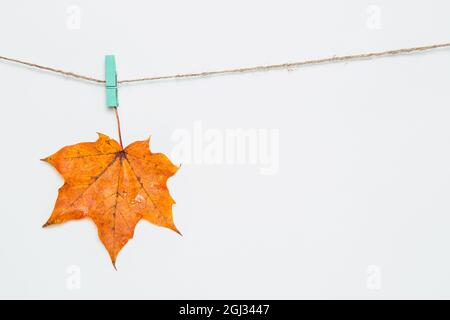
(112, 99)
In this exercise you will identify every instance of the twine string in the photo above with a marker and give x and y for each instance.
(260, 68)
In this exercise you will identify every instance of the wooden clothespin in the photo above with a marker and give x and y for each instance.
(112, 100)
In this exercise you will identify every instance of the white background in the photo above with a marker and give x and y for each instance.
(360, 205)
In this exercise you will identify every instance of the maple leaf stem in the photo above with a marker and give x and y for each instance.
(118, 126)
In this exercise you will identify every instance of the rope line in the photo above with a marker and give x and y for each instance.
(260, 68)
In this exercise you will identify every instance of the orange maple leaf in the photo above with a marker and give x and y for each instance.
(114, 187)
